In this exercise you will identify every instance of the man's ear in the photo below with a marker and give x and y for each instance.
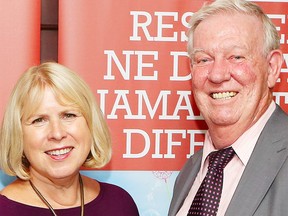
(275, 60)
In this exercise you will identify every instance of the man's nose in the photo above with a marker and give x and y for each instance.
(219, 71)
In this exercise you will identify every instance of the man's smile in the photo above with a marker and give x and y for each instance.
(223, 95)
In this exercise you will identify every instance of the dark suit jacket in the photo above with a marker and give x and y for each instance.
(263, 187)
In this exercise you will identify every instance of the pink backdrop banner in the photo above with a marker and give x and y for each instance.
(19, 42)
(133, 55)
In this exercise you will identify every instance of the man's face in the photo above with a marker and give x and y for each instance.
(230, 71)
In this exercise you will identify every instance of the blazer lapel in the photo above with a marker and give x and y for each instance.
(184, 182)
(267, 158)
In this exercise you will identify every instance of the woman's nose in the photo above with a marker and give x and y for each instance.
(57, 130)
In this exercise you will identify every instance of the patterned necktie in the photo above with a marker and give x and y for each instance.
(206, 201)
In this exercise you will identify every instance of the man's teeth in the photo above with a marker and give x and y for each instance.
(223, 95)
(59, 152)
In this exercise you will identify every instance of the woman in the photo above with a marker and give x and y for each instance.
(51, 128)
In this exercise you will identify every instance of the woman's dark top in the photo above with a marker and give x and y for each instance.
(112, 200)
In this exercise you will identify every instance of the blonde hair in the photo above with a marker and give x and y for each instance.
(26, 96)
(270, 34)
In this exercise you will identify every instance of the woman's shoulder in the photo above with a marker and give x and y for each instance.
(111, 193)
(14, 208)
(102, 188)
(113, 189)
(20, 192)
(16, 190)
(113, 198)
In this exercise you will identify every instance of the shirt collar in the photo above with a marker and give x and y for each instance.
(245, 144)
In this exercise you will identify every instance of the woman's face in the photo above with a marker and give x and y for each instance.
(57, 139)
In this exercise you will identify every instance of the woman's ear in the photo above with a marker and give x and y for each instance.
(275, 61)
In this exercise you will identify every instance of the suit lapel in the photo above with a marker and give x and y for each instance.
(266, 160)
(184, 182)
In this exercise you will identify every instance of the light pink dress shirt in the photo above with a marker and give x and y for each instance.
(243, 147)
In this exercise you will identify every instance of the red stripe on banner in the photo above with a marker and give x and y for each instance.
(19, 41)
(133, 55)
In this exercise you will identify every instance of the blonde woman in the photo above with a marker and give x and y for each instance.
(51, 128)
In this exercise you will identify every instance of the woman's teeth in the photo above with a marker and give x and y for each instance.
(59, 152)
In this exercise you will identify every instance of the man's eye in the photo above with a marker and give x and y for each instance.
(237, 58)
(201, 61)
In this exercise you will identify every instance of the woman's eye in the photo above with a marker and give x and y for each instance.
(37, 121)
(69, 115)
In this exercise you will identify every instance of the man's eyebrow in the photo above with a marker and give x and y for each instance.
(233, 47)
(197, 50)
